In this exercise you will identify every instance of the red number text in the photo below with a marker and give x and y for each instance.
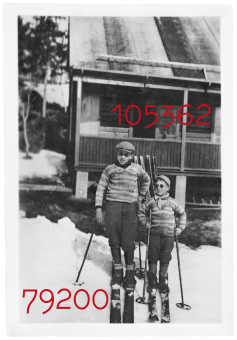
(206, 114)
(30, 290)
(88, 299)
(167, 113)
(69, 296)
(47, 301)
(151, 113)
(93, 298)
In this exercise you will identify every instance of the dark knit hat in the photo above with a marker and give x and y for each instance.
(125, 146)
(164, 178)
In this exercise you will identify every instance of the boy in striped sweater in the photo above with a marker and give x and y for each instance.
(164, 212)
(123, 184)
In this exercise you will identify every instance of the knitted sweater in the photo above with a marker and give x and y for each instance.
(122, 185)
(162, 219)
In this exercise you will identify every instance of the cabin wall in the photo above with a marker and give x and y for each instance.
(100, 131)
(90, 109)
(99, 100)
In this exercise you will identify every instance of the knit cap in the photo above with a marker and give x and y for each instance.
(125, 146)
(164, 178)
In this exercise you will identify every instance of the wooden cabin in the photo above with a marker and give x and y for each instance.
(139, 61)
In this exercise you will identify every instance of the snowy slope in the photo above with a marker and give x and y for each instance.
(50, 256)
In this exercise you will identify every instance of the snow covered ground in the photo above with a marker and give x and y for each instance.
(50, 255)
(44, 164)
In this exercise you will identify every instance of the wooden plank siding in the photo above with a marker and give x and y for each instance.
(205, 156)
(96, 152)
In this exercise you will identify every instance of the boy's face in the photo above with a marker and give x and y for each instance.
(124, 157)
(161, 188)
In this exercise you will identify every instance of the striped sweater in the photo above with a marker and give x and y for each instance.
(162, 219)
(122, 185)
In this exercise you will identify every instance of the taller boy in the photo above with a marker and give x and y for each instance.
(123, 184)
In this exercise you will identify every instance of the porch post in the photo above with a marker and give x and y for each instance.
(184, 119)
(180, 189)
(78, 120)
(213, 134)
(130, 132)
(215, 125)
(81, 177)
(81, 184)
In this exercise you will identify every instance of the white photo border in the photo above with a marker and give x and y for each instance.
(14, 327)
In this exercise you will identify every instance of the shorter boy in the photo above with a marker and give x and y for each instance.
(164, 211)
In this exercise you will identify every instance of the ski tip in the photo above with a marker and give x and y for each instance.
(165, 321)
(153, 318)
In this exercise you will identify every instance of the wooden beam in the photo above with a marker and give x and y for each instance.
(70, 112)
(184, 119)
(152, 140)
(134, 84)
(213, 135)
(180, 189)
(177, 129)
(81, 184)
(41, 187)
(205, 205)
(114, 129)
(155, 63)
(111, 82)
(148, 79)
(130, 133)
(162, 170)
(78, 120)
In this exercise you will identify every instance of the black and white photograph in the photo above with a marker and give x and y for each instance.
(120, 205)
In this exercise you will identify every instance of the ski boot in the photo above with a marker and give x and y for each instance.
(152, 287)
(117, 275)
(152, 281)
(129, 280)
(162, 285)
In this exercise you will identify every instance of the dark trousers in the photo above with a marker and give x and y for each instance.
(121, 224)
(160, 249)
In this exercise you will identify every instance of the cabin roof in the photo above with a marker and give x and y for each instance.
(188, 40)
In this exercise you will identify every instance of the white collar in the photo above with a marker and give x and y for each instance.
(156, 197)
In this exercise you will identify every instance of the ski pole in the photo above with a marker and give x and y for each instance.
(142, 299)
(182, 304)
(140, 272)
(79, 273)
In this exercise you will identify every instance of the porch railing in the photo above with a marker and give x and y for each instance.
(96, 152)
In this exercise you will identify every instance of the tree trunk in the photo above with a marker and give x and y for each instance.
(44, 95)
(25, 136)
(25, 115)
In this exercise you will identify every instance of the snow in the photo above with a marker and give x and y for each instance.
(50, 256)
(44, 164)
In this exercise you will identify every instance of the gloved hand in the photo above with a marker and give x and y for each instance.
(178, 231)
(99, 216)
(148, 225)
(141, 199)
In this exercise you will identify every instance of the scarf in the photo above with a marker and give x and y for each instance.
(159, 199)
